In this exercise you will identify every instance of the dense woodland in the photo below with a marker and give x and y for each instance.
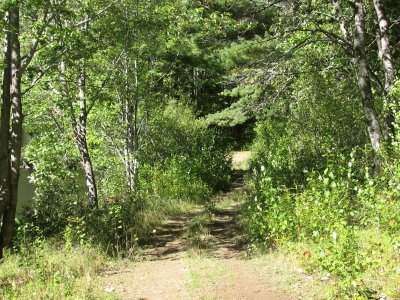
(132, 108)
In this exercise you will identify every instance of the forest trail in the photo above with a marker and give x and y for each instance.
(199, 255)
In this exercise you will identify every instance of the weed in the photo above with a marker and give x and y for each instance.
(47, 271)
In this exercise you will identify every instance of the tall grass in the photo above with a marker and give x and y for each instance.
(49, 271)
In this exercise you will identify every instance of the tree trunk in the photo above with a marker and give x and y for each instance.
(386, 57)
(341, 20)
(129, 113)
(16, 130)
(80, 134)
(364, 82)
(89, 174)
(128, 129)
(135, 169)
(5, 125)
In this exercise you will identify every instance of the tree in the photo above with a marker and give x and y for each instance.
(14, 69)
(385, 56)
(73, 76)
(302, 26)
(364, 82)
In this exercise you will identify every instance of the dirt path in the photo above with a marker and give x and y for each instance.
(200, 255)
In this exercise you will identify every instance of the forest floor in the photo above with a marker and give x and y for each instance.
(203, 255)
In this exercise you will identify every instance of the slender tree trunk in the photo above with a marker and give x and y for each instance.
(129, 113)
(81, 134)
(135, 141)
(386, 57)
(125, 158)
(128, 129)
(133, 124)
(341, 20)
(364, 82)
(16, 130)
(89, 174)
(5, 125)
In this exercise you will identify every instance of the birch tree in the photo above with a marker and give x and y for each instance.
(14, 69)
(364, 82)
(385, 56)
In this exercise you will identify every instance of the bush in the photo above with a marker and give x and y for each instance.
(331, 212)
(186, 148)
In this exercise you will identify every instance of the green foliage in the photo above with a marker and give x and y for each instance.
(341, 256)
(271, 213)
(188, 153)
(167, 71)
(44, 271)
(230, 117)
(185, 163)
(116, 228)
(331, 212)
(118, 223)
(173, 181)
(322, 207)
(329, 201)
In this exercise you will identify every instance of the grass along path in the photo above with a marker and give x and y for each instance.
(202, 255)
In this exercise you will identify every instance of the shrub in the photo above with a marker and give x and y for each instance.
(330, 212)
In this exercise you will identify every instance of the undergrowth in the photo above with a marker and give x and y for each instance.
(49, 271)
(117, 228)
(349, 219)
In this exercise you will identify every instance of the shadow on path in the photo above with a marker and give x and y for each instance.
(168, 242)
(214, 270)
(219, 234)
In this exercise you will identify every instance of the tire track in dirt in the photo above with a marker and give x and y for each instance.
(189, 260)
(169, 267)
